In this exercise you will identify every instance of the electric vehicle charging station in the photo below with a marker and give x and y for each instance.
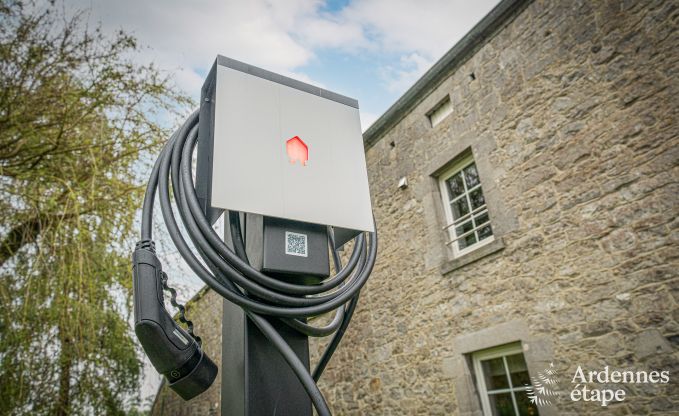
(285, 161)
(251, 115)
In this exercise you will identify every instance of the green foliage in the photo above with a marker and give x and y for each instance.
(77, 117)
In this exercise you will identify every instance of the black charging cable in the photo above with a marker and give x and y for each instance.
(228, 272)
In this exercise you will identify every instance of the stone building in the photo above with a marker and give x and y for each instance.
(538, 228)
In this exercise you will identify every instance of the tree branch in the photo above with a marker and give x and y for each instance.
(24, 233)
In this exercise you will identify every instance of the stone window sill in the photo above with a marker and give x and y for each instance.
(490, 248)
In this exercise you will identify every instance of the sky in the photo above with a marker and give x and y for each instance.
(371, 50)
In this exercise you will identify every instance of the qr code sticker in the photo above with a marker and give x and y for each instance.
(295, 244)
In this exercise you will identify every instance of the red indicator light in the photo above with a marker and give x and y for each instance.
(297, 151)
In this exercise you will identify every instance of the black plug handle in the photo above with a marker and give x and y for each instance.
(172, 351)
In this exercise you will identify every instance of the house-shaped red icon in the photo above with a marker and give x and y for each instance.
(297, 150)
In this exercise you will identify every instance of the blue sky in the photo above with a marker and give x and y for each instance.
(372, 50)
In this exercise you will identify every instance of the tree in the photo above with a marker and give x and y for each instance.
(78, 118)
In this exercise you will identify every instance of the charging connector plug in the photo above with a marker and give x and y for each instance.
(172, 351)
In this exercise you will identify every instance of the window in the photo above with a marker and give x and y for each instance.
(502, 377)
(468, 223)
(440, 111)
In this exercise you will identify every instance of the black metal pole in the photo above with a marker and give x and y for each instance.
(256, 380)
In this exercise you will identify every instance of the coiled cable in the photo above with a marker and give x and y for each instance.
(228, 272)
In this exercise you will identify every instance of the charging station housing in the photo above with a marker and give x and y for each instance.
(250, 122)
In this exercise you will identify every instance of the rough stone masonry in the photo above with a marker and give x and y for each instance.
(571, 116)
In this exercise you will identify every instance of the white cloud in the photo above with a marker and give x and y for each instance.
(367, 119)
(184, 37)
(428, 27)
(410, 67)
(283, 36)
(420, 32)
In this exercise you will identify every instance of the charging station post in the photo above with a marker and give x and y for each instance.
(284, 160)
(256, 380)
(291, 141)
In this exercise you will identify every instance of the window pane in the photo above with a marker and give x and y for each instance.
(494, 374)
(485, 232)
(466, 241)
(476, 196)
(518, 370)
(481, 219)
(471, 176)
(466, 226)
(455, 187)
(501, 404)
(460, 208)
(526, 408)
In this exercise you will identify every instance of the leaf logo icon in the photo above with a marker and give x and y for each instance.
(542, 391)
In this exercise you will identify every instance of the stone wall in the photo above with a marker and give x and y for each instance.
(575, 106)
(572, 118)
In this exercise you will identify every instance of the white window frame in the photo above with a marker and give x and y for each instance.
(450, 226)
(501, 351)
(443, 109)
